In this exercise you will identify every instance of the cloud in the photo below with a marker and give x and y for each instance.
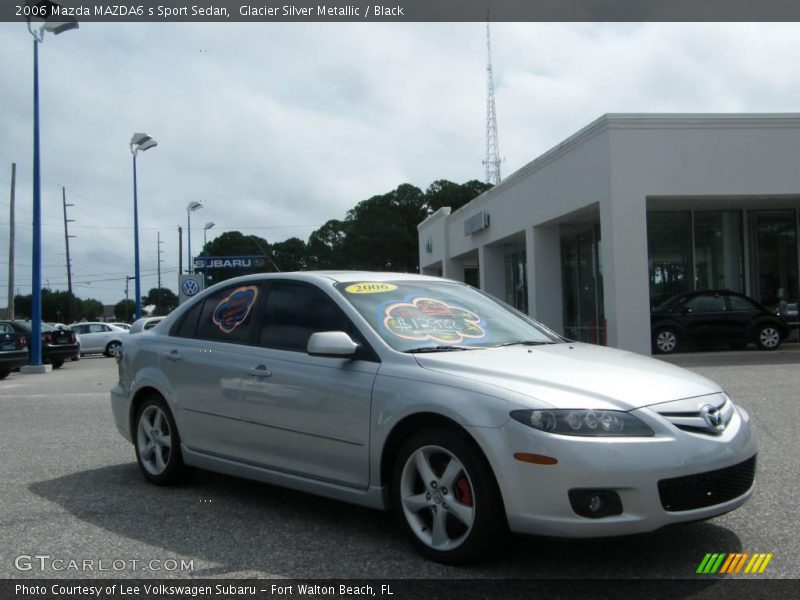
(284, 126)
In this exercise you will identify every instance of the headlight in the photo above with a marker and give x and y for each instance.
(597, 423)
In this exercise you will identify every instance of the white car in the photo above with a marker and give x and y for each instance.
(426, 396)
(99, 338)
(144, 324)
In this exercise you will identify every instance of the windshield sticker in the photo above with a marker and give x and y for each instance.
(370, 288)
(232, 310)
(428, 319)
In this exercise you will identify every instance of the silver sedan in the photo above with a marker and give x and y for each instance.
(426, 396)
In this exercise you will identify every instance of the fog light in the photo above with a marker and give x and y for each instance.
(595, 504)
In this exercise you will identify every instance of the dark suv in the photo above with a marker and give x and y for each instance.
(57, 345)
(714, 318)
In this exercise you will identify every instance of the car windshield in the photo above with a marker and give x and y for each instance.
(440, 315)
(26, 326)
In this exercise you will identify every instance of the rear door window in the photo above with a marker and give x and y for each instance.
(228, 315)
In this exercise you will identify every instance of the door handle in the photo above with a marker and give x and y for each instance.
(259, 371)
(172, 355)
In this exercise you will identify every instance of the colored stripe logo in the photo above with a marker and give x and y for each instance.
(732, 563)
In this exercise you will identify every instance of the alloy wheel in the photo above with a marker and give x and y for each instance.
(666, 341)
(438, 498)
(769, 337)
(154, 440)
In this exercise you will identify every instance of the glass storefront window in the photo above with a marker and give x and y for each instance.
(718, 251)
(583, 314)
(774, 267)
(669, 250)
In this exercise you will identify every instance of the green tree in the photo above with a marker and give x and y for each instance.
(164, 300)
(290, 254)
(324, 247)
(91, 309)
(446, 193)
(123, 310)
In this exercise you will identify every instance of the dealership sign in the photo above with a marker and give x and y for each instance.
(229, 262)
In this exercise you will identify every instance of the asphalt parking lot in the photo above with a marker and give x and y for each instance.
(70, 489)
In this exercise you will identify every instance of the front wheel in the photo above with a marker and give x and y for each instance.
(57, 363)
(446, 498)
(768, 337)
(4, 373)
(158, 446)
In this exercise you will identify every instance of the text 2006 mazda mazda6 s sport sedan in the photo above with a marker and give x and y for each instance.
(427, 396)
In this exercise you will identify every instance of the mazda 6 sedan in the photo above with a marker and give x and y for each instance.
(430, 398)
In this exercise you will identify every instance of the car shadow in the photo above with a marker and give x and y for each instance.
(233, 526)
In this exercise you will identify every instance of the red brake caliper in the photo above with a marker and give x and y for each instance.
(463, 492)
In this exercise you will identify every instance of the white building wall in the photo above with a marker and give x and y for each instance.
(620, 163)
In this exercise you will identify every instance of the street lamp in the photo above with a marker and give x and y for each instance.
(192, 206)
(139, 141)
(36, 271)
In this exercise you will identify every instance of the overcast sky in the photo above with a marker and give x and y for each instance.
(279, 127)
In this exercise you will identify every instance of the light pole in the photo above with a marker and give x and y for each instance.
(36, 271)
(139, 141)
(208, 226)
(190, 208)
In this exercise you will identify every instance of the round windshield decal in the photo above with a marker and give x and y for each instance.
(428, 319)
(374, 287)
(234, 308)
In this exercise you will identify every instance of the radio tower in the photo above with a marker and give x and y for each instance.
(492, 161)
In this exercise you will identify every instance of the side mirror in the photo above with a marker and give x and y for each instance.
(331, 343)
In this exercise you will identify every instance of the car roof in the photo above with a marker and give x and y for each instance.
(337, 276)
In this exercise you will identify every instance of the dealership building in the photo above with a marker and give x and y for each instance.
(631, 210)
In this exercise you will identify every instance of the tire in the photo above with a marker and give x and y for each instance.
(57, 363)
(4, 373)
(666, 341)
(112, 348)
(457, 517)
(768, 337)
(157, 443)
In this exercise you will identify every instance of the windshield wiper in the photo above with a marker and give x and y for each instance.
(422, 349)
(523, 343)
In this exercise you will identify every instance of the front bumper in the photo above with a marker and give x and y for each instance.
(536, 496)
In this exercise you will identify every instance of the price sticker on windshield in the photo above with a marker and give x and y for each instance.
(370, 288)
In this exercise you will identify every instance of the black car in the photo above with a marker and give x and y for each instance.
(13, 350)
(714, 318)
(57, 345)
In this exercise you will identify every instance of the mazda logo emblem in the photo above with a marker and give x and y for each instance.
(711, 416)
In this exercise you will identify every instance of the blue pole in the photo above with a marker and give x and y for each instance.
(36, 278)
(138, 310)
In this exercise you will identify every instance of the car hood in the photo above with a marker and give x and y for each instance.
(573, 375)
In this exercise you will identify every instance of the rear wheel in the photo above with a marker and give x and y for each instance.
(768, 337)
(665, 341)
(158, 446)
(57, 363)
(112, 348)
(4, 373)
(446, 498)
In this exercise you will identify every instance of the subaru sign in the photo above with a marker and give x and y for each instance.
(229, 262)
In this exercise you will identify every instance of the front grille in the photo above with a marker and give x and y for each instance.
(707, 489)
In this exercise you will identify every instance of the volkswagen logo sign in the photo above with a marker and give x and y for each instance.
(190, 287)
(712, 417)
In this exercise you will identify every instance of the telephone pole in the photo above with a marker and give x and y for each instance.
(67, 236)
(11, 244)
(160, 252)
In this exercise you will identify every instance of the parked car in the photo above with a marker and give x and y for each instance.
(99, 338)
(125, 326)
(714, 318)
(431, 398)
(145, 324)
(61, 326)
(57, 345)
(13, 350)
